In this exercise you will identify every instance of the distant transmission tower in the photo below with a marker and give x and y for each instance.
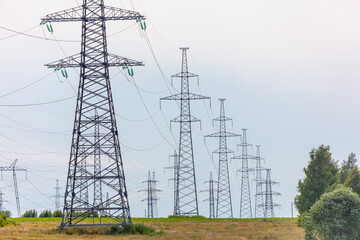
(259, 198)
(151, 195)
(269, 204)
(245, 200)
(57, 196)
(211, 198)
(14, 169)
(2, 201)
(95, 134)
(223, 204)
(175, 168)
(186, 180)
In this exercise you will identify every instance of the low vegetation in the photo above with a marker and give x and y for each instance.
(159, 228)
(5, 221)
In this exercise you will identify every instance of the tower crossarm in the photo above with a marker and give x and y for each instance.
(184, 75)
(76, 14)
(223, 150)
(223, 134)
(191, 119)
(180, 97)
(75, 61)
(272, 193)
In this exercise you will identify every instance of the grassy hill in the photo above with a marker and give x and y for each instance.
(169, 228)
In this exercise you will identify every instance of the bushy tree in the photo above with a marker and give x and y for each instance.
(346, 167)
(336, 216)
(45, 214)
(30, 214)
(57, 213)
(353, 180)
(319, 175)
(6, 212)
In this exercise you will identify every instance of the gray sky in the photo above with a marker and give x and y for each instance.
(288, 69)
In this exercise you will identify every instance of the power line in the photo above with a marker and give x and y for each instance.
(36, 104)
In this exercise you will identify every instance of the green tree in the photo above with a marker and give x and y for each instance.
(334, 217)
(319, 175)
(346, 167)
(30, 214)
(57, 213)
(45, 214)
(353, 180)
(7, 213)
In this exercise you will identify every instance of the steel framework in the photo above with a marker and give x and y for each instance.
(95, 135)
(211, 198)
(245, 200)
(223, 203)
(269, 193)
(175, 168)
(14, 169)
(2, 201)
(186, 179)
(151, 195)
(57, 195)
(259, 198)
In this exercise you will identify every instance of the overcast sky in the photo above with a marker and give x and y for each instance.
(288, 69)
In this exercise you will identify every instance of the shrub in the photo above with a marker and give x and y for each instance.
(45, 214)
(4, 221)
(30, 214)
(6, 212)
(336, 216)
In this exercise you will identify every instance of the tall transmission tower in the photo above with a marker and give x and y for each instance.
(94, 112)
(259, 198)
(223, 204)
(13, 168)
(151, 195)
(245, 200)
(211, 198)
(57, 196)
(269, 193)
(175, 168)
(186, 180)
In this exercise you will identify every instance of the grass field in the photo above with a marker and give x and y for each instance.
(170, 228)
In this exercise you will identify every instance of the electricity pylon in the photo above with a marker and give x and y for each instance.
(151, 195)
(259, 198)
(57, 196)
(94, 112)
(175, 168)
(211, 198)
(223, 204)
(245, 199)
(2, 201)
(14, 169)
(186, 179)
(269, 193)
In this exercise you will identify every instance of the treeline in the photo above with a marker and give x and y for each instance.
(44, 214)
(328, 201)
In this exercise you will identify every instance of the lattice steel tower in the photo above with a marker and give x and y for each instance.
(175, 168)
(151, 195)
(211, 198)
(223, 204)
(186, 180)
(94, 112)
(57, 195)
(13, 168)
(259, 198)
(269, 193)
(245, 200)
